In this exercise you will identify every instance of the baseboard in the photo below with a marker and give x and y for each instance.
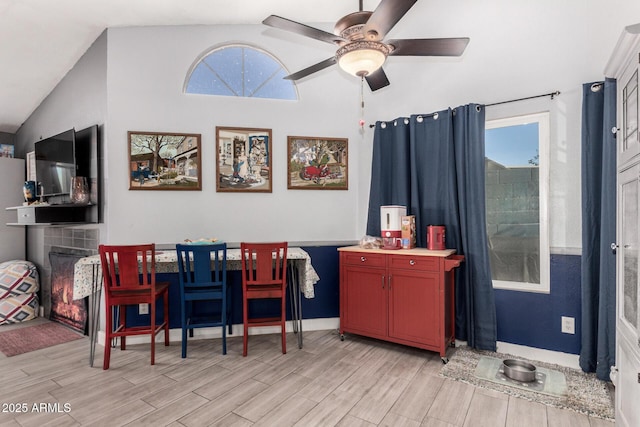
(323, 324)
(175, 335)
(539, 354)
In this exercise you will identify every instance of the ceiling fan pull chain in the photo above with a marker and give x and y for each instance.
(361, 102)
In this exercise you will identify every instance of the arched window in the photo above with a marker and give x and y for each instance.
(240, 70)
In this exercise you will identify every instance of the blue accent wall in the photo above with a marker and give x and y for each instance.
(325, 304)
(533, 319)
(523, 318)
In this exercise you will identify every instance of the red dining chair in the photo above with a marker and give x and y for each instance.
(129, 274)
(264, 276)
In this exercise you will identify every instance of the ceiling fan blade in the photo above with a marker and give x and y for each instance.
(312, 69)
(377, 80)
(302, 29)
(386, 15)
(429, 47)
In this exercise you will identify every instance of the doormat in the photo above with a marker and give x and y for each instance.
(585, 393)
(31, 338)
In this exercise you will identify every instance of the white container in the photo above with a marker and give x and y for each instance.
(391, 220)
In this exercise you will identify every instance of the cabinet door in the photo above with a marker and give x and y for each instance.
(414, 307)
(628, 305)
(363, 305)
(628, 136)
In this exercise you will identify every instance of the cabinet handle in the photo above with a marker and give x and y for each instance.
(390, 276)
(412, 262)
(363, 259)
(382, 282)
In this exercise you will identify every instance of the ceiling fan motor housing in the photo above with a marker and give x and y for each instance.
(350, 27)
(364, 53)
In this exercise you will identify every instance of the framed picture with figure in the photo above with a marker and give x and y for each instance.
(317, 163)
(243, 160)
(164, 161)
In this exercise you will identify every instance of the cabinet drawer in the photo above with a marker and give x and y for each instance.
(363, 258)
(26, 215)
(422, 263)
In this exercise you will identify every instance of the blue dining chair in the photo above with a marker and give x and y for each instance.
(205, 299)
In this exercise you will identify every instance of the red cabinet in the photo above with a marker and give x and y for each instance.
(403, 296)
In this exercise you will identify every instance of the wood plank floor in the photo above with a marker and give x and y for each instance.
(355, 382)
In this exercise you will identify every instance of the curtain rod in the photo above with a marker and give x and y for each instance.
(551, 94)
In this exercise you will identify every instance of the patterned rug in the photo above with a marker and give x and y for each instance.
(23, 340)
(585, 393)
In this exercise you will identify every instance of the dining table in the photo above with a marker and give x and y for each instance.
(87, 282)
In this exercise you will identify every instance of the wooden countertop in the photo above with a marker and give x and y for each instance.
(415, 251)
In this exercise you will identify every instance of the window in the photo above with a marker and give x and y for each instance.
(240, 70)
(517, 178)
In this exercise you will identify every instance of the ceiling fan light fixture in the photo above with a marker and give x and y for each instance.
(362, 58)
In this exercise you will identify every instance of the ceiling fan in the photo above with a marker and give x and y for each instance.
(361, 49)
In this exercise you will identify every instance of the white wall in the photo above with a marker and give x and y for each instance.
(78, 101)
(147, 68)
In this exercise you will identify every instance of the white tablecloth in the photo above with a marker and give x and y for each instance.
(166, 262)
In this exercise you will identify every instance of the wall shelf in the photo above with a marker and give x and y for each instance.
(63, 214)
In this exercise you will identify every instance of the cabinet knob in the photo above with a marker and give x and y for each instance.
(412, 262)
(363, 259)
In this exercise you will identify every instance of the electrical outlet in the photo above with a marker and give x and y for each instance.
(568, 325)
(143, 308)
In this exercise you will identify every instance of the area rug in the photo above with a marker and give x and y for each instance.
(584, 392)
(23, 340)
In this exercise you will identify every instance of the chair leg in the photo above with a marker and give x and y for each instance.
(107, 338)
(183, 320)
(122, 314)
(189, 306)
(152, 312)
(224, 329)
(184, 341)
(165, 305)
(283, 325)
(245, 323)
(230, 310)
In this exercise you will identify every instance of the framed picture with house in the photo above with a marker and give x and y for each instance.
(317, 163)
(243, 160)
(164, 161)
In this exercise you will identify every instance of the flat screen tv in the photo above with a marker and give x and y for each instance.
(55, 163)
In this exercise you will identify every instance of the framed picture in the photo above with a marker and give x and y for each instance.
(164, 161)
(31, 166)
(6, 150)
(243, 160)
(317, 163)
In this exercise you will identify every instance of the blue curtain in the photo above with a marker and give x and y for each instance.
(434, 165)
(597, 353)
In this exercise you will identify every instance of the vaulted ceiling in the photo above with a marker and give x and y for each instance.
(41, 40)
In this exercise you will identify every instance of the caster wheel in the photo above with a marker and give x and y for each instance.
(341, 337)
(445, 360)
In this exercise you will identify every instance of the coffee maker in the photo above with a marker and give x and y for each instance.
(391, 226)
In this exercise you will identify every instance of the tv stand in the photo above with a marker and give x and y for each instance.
(45, 214)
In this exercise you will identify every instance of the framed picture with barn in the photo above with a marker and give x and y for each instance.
(243, 160)
(316, 163)
(164, 161)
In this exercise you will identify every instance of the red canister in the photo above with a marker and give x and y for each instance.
(435, 237)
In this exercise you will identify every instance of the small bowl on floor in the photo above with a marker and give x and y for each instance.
(519, 370)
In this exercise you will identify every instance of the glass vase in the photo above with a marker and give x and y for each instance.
(79, 194)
